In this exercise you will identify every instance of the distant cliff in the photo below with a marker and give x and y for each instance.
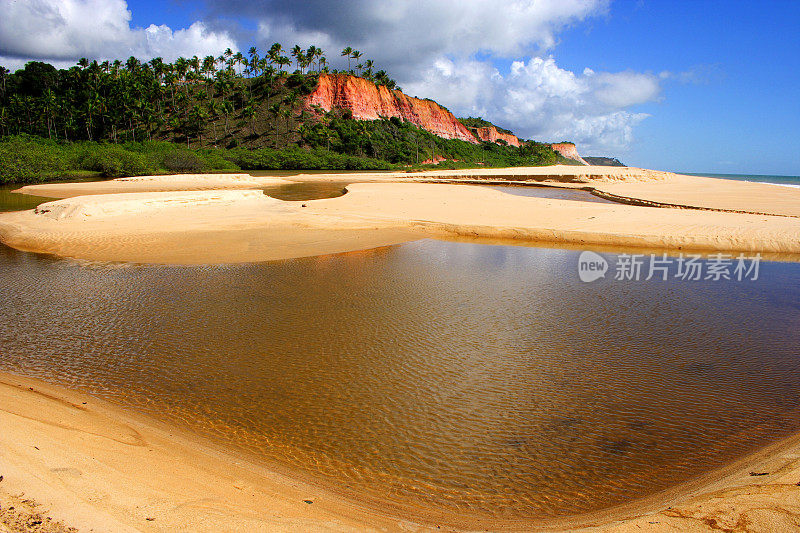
(492, 134)
(368, 101)
(569, 151)
(604, 161)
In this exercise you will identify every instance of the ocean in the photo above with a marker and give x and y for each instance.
(785, 181)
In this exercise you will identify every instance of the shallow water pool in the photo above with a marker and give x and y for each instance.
(458, 376)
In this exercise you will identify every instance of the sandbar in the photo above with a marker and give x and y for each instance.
(191, 227)
(174, 182)
(96, 466)
(221, 226)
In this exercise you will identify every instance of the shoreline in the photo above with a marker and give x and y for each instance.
(91, 464)
(227, 220)
(96, 465)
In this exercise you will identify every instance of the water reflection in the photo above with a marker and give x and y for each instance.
(476, 378)
(556, 193)
(11, 201)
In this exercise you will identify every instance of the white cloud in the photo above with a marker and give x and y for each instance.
(403, 36)
(62, 31)
(539, 100)
(447, 51)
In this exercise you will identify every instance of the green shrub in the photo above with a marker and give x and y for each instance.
(115, 161)
(182, 161)
(214, 159)
(26, 158)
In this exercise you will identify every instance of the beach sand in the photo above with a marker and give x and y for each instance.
(194, 227)
(223, 226)
(91, 465)
(175, 182)
(97, 467)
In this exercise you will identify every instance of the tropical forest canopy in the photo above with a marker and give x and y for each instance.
(246, 110)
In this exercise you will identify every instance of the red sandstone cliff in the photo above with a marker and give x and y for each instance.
(569, 151)
(368, 101)
(490, 134)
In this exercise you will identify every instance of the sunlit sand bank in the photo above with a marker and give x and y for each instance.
(235, 226)
(95, 466)
(177, 182)
(222, 226)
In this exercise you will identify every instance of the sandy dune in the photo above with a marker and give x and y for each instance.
(177, 182)
(481, 212)
(218, 226)
(191, 228)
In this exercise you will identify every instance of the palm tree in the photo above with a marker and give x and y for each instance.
(5, 122)
(158, 67)
(132, 64)
(181, 68)
(320, 55)
(253, 53)
(356, 55)
(298, 54)
(209, 66)
(349, 53)
(3, 75)
(214, 109)
(275, 110)
(275, 52)
(238, 59)
(196, 123)
(50, 105)
(194, 62)
(286, 114)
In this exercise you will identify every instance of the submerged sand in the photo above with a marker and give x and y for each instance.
(94, 466)
(210, 225)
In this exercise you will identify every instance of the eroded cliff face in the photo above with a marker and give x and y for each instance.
(490, 134)
(368, 101)
(569, 151)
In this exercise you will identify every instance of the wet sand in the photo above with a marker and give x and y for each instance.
(97, 467)
(244, 225)
(94, 466)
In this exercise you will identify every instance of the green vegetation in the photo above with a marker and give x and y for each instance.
(603, 161)
(221, 113)
(402, 143)
(33, 159)
(478, 122)
(230, 100)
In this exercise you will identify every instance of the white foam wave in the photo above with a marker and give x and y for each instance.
(793, 185)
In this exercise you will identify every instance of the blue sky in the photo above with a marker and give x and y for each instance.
(741, 115)
(703, 86)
